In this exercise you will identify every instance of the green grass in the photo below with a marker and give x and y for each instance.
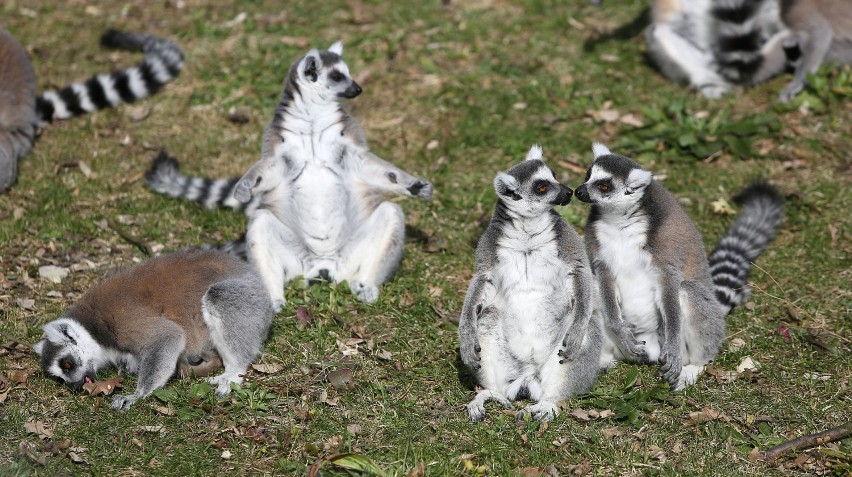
(484, 80)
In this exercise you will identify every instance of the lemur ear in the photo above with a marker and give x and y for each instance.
(59, 332)
(39, 347)
(336, 47)
(311, 68)
(506, 185)
(535, 153)
(638, 179)
(600, 150)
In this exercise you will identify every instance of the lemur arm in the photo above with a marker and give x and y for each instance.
(583, 308)
(672, 316)
(264, 175)
(613, 318)
(386, 178)
(468, 338)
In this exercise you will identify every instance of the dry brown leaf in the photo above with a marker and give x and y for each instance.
(581, 414)
(160, 429)
(611, 432)
(385, 355)
(532, 471)
(353, 429)
(38, 428)
(704, 415)
(105, 387)
(342, 378)
(418, 471)
(164, 410)
(723, 207)
(304, 317)
(270, 368)
(632, 120)
(297, 41)
(20, 376)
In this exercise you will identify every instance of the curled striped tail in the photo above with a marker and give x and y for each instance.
(162, 63)
(749, 235)
(164, 177)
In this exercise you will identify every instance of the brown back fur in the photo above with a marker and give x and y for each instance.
(130, 305)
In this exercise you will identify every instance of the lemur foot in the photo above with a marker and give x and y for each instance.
(364, 292)
(713, 91)
(476, 408)
(688, 376)
(791, 90)
(122, 402)
(223, 383)
(542, 410)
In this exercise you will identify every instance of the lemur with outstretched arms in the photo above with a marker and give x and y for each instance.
(528, 328)
(316, 200)
(664, 302)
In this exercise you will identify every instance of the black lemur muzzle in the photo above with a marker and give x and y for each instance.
(582, 194)
(564, 196)
(352, 91)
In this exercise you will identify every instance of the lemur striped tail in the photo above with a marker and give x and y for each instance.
(755, 226)
(164, 176)
(740, 29)
(163, 62)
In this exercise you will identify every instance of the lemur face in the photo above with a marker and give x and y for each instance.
(68, 353)
(613, 180)
(325, 73)
(530, 188)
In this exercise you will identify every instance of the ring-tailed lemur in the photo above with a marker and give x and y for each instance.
(179, 312)
(22, 113)
(316, 200)
(527, 328)
(824, 32)
(662, 301)
(714, 45)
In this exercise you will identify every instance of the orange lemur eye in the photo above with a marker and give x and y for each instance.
(66, 365)
(542, 189)
(603, 187)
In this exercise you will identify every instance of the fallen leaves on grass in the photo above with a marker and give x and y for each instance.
(342, 378)
(20, 376)
(303, 318)
(38, 428)
(270, 368)
(105, 387)
(705, 415)
(587, 415)
(722, 207)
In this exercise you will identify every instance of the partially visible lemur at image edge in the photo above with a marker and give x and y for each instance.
(316, 200)
(22, 112)
(663, 300)
(528, 328)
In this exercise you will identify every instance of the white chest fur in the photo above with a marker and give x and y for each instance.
(532, 290)
(317, 190)
(622, 248)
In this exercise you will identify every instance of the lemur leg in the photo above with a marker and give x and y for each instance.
(562, 379)
(669, 304)
(157, 363)
(491, 372)
(703, 331)
(272, 250)
(472, 311)
(816, 43)
(238, 316)
(680, 61)
(375, 251)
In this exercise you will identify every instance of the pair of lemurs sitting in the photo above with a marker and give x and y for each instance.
(540, 317)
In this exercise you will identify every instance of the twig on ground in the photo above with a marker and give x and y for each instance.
(805, 442)
(129, 238)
